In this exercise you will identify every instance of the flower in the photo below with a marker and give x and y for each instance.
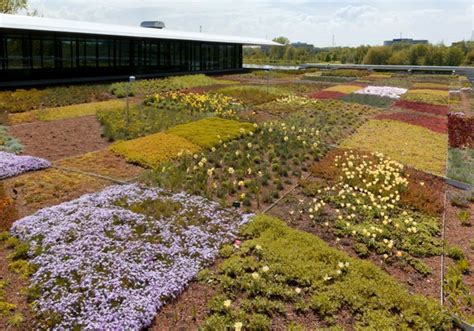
(230, 170)
(258, 247)
(227, 303)
(297, 290)
(265, 268)
(238, 326)
(255, 275)
(285, 138)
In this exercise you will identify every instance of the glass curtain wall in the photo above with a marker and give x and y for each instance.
(58, 55)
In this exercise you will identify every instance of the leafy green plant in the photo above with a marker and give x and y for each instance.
(8, 143)
(367, 99)
(280, 270)
(464, 217)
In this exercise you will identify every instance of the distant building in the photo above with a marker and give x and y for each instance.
(405, 41)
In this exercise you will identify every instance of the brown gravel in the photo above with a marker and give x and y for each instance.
(60, 139)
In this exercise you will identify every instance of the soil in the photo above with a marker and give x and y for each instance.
(14, 288)
(60, 139)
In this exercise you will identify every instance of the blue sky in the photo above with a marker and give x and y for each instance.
(351, 22)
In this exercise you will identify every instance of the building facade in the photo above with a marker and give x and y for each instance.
(405, 41)
(35, 50)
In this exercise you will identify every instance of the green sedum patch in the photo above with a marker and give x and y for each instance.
(212, 131)
(279, 271)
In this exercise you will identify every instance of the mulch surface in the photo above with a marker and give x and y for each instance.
(433, 123)
(423, 107)
(326, 95)
(60, 139)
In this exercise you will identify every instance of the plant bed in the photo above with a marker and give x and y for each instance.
(147, 87)
(104, 163)
(411, 145)
(284, 278)
(422, 107)
(346, 89)
(383, 91)
(431, 86)
(152, 150)
(141, 120)
(426, 98)
(65, 112)
(459, 234)
(433, 123)
(252, 95)
(435, 92)
(60, 139)
(326, 95)
(369, 100)
(9, 143)
(251, 171)
(210, 132)
(461, 164)
(461, 130)
(169, 238)
(49, 187)
(8, 211)
(24, 100)
(12, 165)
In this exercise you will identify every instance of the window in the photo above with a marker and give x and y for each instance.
(68, 52)
(105, 46)
(14, 52)
(91, 53)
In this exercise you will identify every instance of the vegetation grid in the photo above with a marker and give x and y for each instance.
(243, 202)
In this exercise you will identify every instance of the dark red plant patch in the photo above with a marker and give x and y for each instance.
(422, 107)
(437, 124)
(461, 130)
(326, 95)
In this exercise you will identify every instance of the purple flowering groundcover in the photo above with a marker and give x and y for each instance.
(13, 165)
(110, 260)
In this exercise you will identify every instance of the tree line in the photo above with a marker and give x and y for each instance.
(459, 53)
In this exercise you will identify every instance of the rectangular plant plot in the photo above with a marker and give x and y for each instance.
(346, 89)
(127, 250)
(426, 98)
(433, 123)
(422, 107)
(150, 151)
(104, 163)
(332, 287)
(461, 164)
(211, 131)
(369, 100)
(440, 93)
(409, 144)
(49, 187)
(383, 91)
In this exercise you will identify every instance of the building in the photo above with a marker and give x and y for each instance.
(35, 50)
(405, 41)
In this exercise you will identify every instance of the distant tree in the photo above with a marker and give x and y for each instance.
(399, 57)
(377, 55)
(470, 57)
(282, 40)
(12, 6)
(455, 56)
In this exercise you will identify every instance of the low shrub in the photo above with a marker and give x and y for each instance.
(152, 150)
(331, 79)
(461, 130)
(367, 99)
(436, 124)
(211, 131)
(422, 107)
(460, 164)
(24, 100)
(346, 89)
(412, 145)
(281, 270)
(8, 143)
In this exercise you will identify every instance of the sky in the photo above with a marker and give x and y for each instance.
(352, 23)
